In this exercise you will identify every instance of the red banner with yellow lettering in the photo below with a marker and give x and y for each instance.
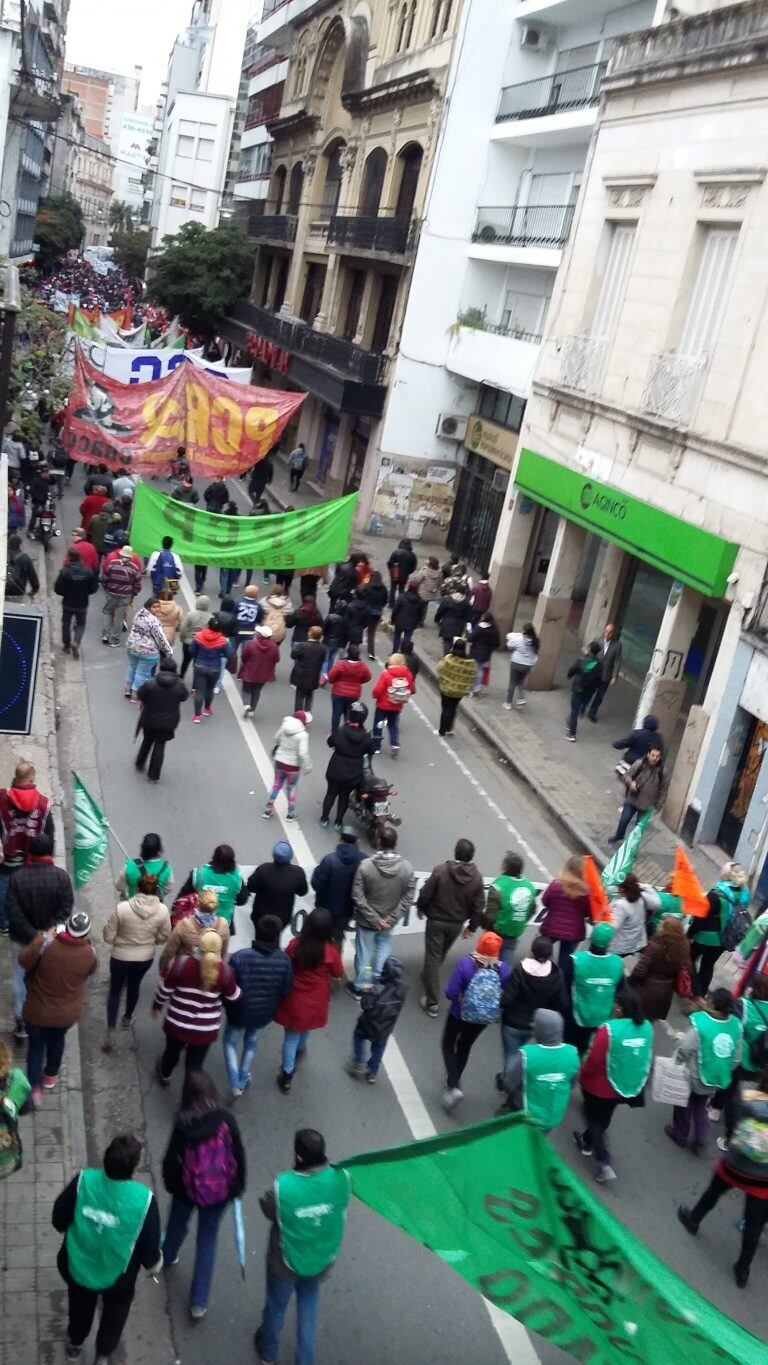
(224, 427)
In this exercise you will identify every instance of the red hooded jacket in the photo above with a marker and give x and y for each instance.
(347, 677)
(24, 812)
(258, 660)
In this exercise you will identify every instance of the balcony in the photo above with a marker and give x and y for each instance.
(371, 232)
(730, 36)
(565, 11)
(553, 94)
(522, 234)
(503, 357)
(274, 227)
(673, 386)
(583, 362)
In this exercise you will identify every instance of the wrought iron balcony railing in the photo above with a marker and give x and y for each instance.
(553, 94)
(543, 225)
(352, 361)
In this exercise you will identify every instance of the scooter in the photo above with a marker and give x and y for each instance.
(370, 804)
(47, 523)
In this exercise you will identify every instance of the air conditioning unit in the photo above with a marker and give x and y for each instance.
(535, 39)
(452, 426)
(487, 233)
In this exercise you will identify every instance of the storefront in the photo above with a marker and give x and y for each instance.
(489, 455)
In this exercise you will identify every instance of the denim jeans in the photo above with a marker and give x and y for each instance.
(628, 813)
(508, 949)
(359, 1046)
(227, 581)
(239, 1073)
(577, 701)
(279, 1293)
(398, 637)
(392, 721)
(4, 884)
(294, 1046)
(18, 987)
(512, 1039)
(205, 1253)
(372, 948)
(339, 708)
(45, 1050)
(330, 654)
(138, 670)
(598, 697)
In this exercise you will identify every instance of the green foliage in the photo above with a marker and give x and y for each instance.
(38, 370)
(59, 227)
(120, 217)
(200, 275)
(130, 250)
(468, 317)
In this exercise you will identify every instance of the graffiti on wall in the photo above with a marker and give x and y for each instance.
(413, 497)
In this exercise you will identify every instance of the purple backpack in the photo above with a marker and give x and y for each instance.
(209, 1169)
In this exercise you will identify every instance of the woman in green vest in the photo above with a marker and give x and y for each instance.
(754, 1019)
(711, 1049)
(150, 862)
(307, 1208)
(541, 1076)
(510, 904)
(14, 1100)
(221, 875)
(614, 1072)
(596, 976)
(112, 1226)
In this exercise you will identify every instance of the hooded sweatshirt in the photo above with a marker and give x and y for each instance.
(333, 877)
(136, 927)
(522, 651)
(24, 812)
(258, 660)
(382, 890)
(208, 648)
(191, 1128)
(547, 1032)
(292, 745)
(638, 742)
(452, 894)
(533, 986)
(381, 1004)
(195, 620)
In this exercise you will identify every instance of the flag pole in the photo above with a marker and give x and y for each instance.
(119, 842)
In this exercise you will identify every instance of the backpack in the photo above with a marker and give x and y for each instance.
(398, 691)
(209, 1169)
(735, 930)
(482, 999)
(750, 1140)
(183, 907)
(164, 572)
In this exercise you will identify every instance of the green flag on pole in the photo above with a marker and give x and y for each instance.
(623, 859)
(89, 847)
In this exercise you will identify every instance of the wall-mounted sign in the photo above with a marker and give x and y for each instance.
(494, 443)
(19, 653)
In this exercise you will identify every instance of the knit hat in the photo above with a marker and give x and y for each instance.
(282, 852)
(488, 945)
(602, 934)
(126, 552)
(78, 924)
(265, 632)
(304, 716)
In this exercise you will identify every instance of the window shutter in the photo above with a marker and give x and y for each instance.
(705, 307)
(614, 277)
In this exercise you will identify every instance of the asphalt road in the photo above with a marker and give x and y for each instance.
(388, 1299)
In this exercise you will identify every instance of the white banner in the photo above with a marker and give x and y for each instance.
(140, 366)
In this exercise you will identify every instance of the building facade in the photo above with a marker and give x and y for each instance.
(261, 90)
(642, 453)
(69, 135)
(94, 169)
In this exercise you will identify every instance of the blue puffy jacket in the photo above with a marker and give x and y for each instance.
(333, 877)
(264, 974)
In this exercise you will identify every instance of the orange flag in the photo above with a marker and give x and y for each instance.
(598, 900)
(686, 884)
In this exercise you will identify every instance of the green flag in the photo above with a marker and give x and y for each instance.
(83, 328)
(623, 859)
(89, 847)
(504, 1210)
(287, 540)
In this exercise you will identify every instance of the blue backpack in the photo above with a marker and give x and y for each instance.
(164, 573)
(482, 998)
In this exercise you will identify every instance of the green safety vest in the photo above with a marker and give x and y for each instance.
(518, 897)
(755, 1021)
(225, 884)
(717, 1048)
(630, 1053)
(595, 978)
(311, 1211)
(109, 1215)
(548, 1073)
(669, 905)
(153, 867)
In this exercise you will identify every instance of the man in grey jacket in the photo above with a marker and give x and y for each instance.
(381, 893)
(610, 664)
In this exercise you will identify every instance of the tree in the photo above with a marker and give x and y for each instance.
(59, 227)
(130, 250)
(201, 274)
(121, 216)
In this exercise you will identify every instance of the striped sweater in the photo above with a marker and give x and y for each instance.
(194, 1014)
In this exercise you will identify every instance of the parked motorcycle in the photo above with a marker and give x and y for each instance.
(370, 804)
(46, 523)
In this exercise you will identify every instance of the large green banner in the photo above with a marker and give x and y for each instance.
(283, 540)
(504, 1210)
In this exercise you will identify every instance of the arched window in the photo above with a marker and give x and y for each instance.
(295, 186)
(401, 25)
(301, 67)
(373, 182)
(409, 160)
(278, 189)
(332, 185)
(409, 26)
(441, 18)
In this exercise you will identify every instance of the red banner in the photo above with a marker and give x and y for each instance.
(225, 427)
(274, 356)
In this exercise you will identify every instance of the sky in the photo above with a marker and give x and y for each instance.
(116, 35)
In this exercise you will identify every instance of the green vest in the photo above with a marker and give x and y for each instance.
(153, 867)
(630, 1053)
(518, 897)
(109, 1215)
(547, 1076)
(669, 905)
(311, 1210)
(225, 884)
(717, 1048)
(755, 1020)
(595, 978)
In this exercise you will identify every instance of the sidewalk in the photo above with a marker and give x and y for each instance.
(576, 782)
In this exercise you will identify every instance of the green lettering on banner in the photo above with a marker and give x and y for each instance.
(545, 1249)
(285, 540)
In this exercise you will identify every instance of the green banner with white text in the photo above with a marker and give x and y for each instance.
(281, 540)
(498, 1204)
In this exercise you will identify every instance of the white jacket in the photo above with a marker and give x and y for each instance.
(293, 745)
(521, 649)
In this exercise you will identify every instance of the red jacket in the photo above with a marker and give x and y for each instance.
(24, 812)
(194, 1014)
(89, 507)
(306, 1004)
(88, 553)
(347, 677)
(121, 578)
(567, 917)
(112, 556)
(383, 681)
(258, 660)
(594, 1068)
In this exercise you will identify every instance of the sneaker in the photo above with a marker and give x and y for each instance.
(615, 839)
(105, 639)
(73, 1352)
(323, 824)
(337, 827)
(126, 1022)
(248, 712)
(266, 814)
(284, 1081)
(217, 689)
(370, 1078)
(197, 720)
(372, 656)
(352, 990)
(134, 699)
(571, 739)
(431, 1010)
(507, 706)
(109, 1041)
(581, 1144)
(36, 1095)
(196, 1313)
(722, 1143)
(291, 815)
(127, 693)
(115, 644)
(672, 1135)
(162, 1080)
(451, 1097)
(236, 1093)
(685, 1217)
(604, 1173)
(356, 1069)
(395, 750)
(521, 703)
(207, 710)
(263, 1360)
(49, 1082)
(19, 1030)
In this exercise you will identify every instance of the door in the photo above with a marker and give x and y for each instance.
(743, 786)
(384, 314)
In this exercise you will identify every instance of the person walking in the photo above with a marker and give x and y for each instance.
(356, 617)
(707, 934)
(663, 969)
(407, 615)
(510, 903)
(474, 990)
(585, 677)
(567, 912)
(646, 784)
(308, 660)
(216, 496)
(164, 567)
(301, 1250)
(597, 975)
(264, 974)
(754, 1054)
(610, 667)
(614, 1071)
(711, 1049)
(193, 622)
(145, 647)
(484, 641)
(111, 1227)
(204, 1168)
(75, 585)
(401, 564)
(161, 700)
(57, 965)
(382, 893)
(21, 574)
(381, 1004)
(375, 597)
(151, 861)
(92, 503)
(297, 464)
(249, 613)
(277, 607)
(98, 527)
(637, 743)
(302, 619)
(335, 631)
(209, 649)
(169, 614)
(121, 581)
(193, 989)
(391, 690)
(535, 982)
(290, 755)
(222, 876)
(24, 812)
(542, 1074)
(261, 474)
(316, 963)
(523, 648)
(455, 678)
(258, 661)
(346, 679)
(275, 886)
(451, 897)
(352, 746)
(188, 928)
(333, 878)
(87, 552)
(134, 930)
(40, 896)
(452, 617)
(629, 914)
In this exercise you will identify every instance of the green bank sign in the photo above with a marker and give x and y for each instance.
(676, 547)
